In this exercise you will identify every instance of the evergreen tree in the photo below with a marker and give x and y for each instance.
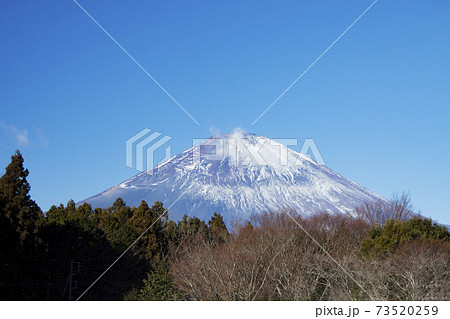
(152, 245)
(217, 229)
(20, 218)
(216, 223)
(383, 240)
(20, 215)
(190, 226)
(159, 284)
(56, 215)
(187, 228)
(72, 233)
(116, 224)
(120, 211)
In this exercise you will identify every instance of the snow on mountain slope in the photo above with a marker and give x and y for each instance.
(238, 174)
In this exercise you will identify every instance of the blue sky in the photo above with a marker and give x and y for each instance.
(377, 104)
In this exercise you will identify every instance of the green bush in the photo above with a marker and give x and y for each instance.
(384, 240)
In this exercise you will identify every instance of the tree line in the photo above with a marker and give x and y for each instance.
(385, 252)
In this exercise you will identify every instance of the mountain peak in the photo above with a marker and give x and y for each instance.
(238, 174)
(237, 135)
(242, 148)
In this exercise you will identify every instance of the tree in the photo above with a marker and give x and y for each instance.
(152, 245)
(19, 213)
(217, 229)
(20, 218)
(383, 240)
(377, 213)
(418, 269)
(159, 284)
(116, 224)
(72, 233)
(185, 230)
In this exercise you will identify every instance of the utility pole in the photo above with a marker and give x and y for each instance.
(70, 279)
(73, 284)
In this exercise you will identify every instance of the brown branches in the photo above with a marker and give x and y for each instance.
(272, 258)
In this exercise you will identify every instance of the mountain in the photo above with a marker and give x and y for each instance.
(238, 174)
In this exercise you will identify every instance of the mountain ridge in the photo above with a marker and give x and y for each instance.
(238, 174)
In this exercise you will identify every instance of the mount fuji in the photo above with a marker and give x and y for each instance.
(239, 174)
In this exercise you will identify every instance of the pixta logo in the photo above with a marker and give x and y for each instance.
(244, 151)
(141, 150)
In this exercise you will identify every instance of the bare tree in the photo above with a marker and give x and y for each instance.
(380, 211)
(275, 258)
(421, 271)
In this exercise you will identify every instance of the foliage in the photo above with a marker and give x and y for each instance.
(150, 222)
(159, 284)
(20, 215)
(20, 218)
(387, 254)
(217, 229)
(383, 240)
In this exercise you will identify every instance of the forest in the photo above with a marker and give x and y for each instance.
(385, 251)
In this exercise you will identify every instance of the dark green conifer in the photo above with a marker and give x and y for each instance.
(20, 218)
(159, 284)
(217, 229)
(383, 240)
(152, 244)
(19, 214)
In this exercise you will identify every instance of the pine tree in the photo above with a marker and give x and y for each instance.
(217, 229)
(152, 245)
(159, 284)
(20, 218)
(19, 213)
(116, 224)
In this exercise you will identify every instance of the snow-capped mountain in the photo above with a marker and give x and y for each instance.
(238, 174)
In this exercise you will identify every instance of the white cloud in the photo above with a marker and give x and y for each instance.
(214, 131)
(21, 136)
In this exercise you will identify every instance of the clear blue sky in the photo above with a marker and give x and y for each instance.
(377, 104)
